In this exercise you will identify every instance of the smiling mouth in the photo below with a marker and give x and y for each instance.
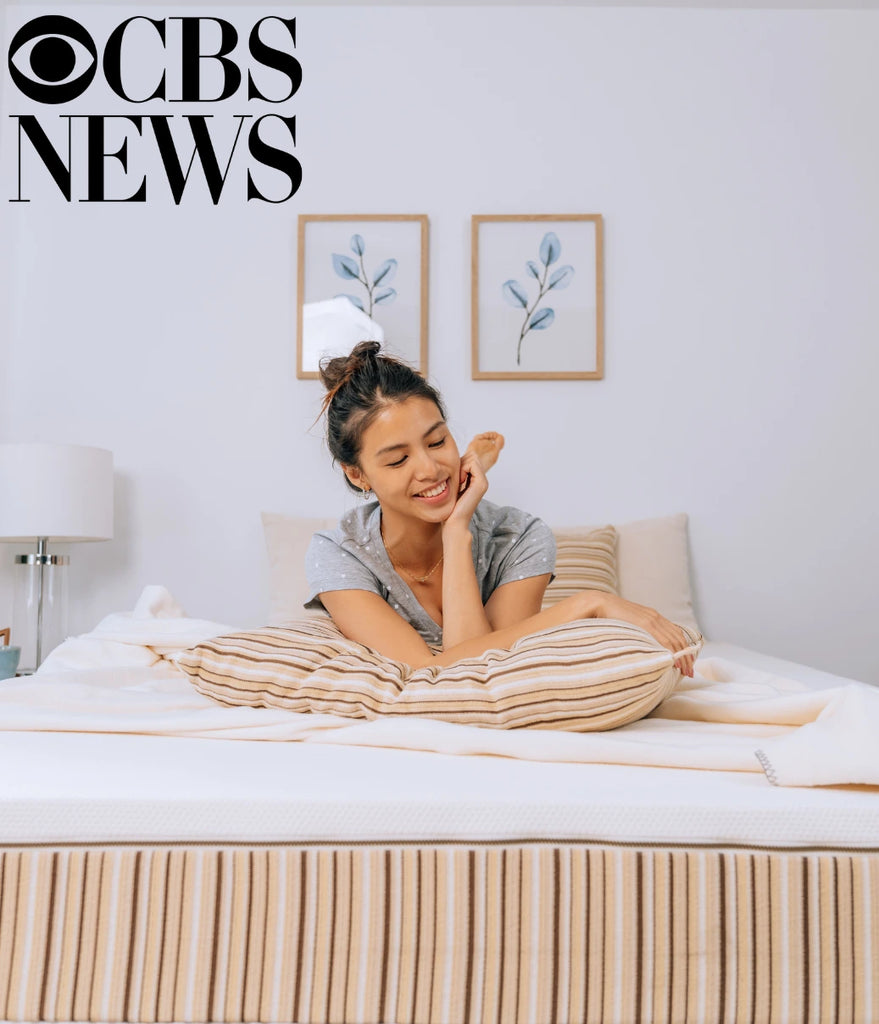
(434, 492)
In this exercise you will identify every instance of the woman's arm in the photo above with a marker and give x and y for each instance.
(369, 620)
(464, 616)
(511, 602)
(366, 618)
(517, 600)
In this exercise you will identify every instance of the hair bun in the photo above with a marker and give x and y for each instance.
(366, 350)
(336, 372)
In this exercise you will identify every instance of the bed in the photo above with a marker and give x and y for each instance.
(165, 858)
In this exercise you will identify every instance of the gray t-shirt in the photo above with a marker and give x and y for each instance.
(508, 545)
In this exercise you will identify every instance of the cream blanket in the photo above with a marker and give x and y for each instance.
(121, 678)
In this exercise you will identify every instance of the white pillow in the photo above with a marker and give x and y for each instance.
(287, 540)
(652, 565)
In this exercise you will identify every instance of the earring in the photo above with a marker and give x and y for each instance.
(364, 493)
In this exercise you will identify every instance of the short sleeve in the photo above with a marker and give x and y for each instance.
(531, 553)
(328, 566)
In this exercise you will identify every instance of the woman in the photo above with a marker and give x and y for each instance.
(428, 572)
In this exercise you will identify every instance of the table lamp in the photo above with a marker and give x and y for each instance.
(50, 492)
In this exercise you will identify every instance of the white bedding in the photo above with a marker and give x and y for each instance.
(110, 741)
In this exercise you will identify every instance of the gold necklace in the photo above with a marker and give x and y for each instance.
(426, 577)
(411, 575)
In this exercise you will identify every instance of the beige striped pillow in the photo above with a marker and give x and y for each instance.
(586, 559)
(585, 676)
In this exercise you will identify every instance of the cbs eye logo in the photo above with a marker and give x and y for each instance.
(52, 59)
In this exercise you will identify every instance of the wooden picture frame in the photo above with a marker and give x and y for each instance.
(355, 271)
(537, 296)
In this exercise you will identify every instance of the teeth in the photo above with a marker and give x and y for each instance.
(434, 491)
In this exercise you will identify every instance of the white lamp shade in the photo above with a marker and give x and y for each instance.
(60, 491)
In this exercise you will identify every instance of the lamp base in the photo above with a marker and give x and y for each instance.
(39, 610)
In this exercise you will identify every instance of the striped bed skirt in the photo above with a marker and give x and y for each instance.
(449, 934)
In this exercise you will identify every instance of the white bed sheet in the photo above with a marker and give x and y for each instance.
(96, 787)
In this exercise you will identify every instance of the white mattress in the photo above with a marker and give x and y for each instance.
(58, 787)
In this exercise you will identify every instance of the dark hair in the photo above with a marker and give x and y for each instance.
(359, 386)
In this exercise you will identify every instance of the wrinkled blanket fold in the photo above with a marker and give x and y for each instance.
(121, 678)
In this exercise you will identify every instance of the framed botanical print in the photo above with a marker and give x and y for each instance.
(537, 302)
(361, 277)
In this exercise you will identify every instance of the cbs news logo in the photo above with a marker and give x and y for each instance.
(54, 60)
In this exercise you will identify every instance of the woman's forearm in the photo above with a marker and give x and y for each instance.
(588, 604)
(464, 616)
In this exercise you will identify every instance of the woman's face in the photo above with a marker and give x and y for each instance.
(410, 460)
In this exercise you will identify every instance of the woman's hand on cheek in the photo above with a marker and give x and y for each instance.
(471, 490)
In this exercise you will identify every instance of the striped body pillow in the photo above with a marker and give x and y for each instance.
(589, 675)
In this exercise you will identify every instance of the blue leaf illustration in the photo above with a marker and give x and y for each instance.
(561, 278)
(344, 266)
(550, 248)
(358, 245)
(386, 272)
(515, 294)
(352, 298)
(533, 269)
(541, 319)
(384, 295)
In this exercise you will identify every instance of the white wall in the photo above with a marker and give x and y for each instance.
(734, 156)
